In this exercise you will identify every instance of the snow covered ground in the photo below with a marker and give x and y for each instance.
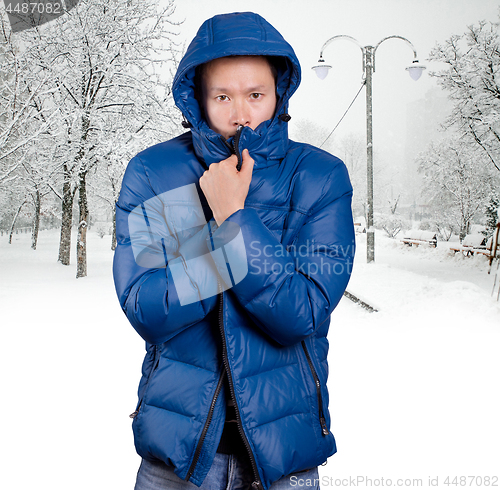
(414, 388)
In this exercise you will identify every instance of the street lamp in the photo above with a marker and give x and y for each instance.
(415, 70)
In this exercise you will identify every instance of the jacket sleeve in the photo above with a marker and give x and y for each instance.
(290, 291)
(157, 284)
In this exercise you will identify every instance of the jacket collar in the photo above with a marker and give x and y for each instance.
(267, 144)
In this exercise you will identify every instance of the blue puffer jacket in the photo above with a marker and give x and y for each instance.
(282, 264)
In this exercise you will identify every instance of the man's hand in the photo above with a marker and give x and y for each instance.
(225, 188)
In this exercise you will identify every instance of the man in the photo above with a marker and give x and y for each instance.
(235, 244)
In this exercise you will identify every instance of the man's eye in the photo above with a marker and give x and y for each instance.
(222, 98)
(255, 95)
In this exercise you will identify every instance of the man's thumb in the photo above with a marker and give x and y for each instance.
(247, 163)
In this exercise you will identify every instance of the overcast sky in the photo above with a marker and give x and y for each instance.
(307, 24)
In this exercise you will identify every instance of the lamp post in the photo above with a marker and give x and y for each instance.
(415, 70)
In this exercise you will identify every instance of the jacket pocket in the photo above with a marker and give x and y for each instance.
(317, 384)
(156, 361)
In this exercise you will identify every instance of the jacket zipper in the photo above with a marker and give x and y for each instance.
(233, 148)
(156, 361)
(257, 484)
(322, 420)
(205, 428)
(236, 142)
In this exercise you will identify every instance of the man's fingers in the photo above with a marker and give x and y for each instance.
(248, 162)
(232, 160)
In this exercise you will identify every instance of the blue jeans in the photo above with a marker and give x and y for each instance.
(228, 472)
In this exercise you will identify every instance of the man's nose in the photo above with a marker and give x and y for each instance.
(240, 114)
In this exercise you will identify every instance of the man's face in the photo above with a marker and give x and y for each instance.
(238, 91)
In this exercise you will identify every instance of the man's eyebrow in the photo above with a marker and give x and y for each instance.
(255, 88)
(217, 89)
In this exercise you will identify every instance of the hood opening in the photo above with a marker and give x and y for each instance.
(280, 68)
(237, 34)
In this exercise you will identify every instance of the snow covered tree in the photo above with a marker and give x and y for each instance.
(310, 132)
(352, 150)
(471, 78)
(445, 223)
(33, 179)
(101, 66)
(391, 223)
(20, 125)
(456, 181)
(492, 213)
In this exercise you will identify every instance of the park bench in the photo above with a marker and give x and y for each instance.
(491, 250)
(420, 237)
(359, 227)
(473, 244)
(494, 248)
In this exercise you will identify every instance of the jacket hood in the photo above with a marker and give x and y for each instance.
(237, 34)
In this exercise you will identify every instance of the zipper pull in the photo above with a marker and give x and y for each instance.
(324, 428)
(133, 415)
(236, 140)
(257, 485)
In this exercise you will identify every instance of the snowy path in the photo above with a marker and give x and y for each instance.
(413, 389)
